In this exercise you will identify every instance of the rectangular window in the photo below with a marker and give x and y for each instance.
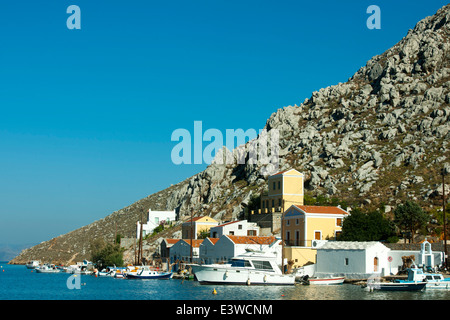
(339, 222)
(262, 265)
(273, 186)
(240, 226)
(279, 185)
(279, 202)
(318, 235)
(346, 261)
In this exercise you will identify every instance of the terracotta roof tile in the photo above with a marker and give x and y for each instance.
(251, 239)
(213, 240)
(172, 241)
(195, 242)
(322, 209)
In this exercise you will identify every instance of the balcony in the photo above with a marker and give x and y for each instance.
(304, 243)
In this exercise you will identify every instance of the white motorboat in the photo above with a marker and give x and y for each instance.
(325, 281)
(147, 273)
(85, 267)
(105, 272)
(48, 268)
(250, 268)
(435, 281)
(119, 274)
(32, 264)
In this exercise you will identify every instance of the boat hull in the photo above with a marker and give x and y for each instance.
(164, 275)
(395, 286)
(47, 271)
(327, 281)
(218, 276)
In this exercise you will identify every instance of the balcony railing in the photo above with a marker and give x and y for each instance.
(303, 243)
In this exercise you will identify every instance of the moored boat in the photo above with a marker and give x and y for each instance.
(396, 286)
(147, 273)
(107, 272)
(47, 268)
(325, 281)
(32, 264)
(85, 267)
(434, 281)
(250, 268)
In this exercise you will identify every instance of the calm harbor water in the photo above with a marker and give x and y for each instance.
(19, 283)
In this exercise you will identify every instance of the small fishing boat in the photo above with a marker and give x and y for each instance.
(326, 281)
(85, 267)
(396, 286)
(48, 268)
(32, 264)
(435, 281)
(105, 272)
(147, 273)
(119, 274)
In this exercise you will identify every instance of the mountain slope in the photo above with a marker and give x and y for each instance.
(381, 137)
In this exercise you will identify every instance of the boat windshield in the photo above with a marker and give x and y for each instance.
(263, 265)
(240, 263)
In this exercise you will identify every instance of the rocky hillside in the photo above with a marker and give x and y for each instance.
(379, 138)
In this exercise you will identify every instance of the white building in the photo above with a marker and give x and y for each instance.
(229, 246)
(354, 260)
(154, 219)
(235, 228)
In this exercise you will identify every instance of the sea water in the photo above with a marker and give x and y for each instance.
(19, 283)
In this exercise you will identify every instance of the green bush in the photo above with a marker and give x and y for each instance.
(106, 254)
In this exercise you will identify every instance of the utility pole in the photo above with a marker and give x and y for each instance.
(282, 238)
(192, 229)
(445, 216)
(140, 241)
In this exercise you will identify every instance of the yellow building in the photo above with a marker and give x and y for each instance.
(285, 188)
(305, 226)
(198, 225)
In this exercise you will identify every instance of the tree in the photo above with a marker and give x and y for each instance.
(410, 217)
(106, 254)
(371, 226)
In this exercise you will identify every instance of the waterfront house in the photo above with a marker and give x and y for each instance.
(154, 219)
(235, 228)
(352, 259)
(197, 225)
(164, 247)
(229, 246)
(181, 250)
(208, 251)
(306, 227)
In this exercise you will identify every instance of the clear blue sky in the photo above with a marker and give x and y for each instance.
(86, 115)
